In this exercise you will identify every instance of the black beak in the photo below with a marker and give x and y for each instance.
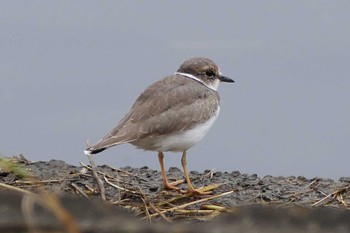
(226, 79)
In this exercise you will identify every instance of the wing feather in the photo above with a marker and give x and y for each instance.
(169, 105)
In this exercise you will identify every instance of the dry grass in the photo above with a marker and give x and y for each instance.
(166, 206)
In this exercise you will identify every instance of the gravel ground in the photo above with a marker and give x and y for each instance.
(139, 190)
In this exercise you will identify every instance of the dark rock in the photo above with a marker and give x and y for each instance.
(153, 188)
(174, 169)
(235, 173)
(194, 173)
(344, 179)
(217, 174)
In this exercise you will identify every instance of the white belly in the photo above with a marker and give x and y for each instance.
(177, 142)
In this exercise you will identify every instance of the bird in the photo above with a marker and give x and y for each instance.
(171, 115)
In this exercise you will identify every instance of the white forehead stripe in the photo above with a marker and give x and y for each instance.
(195, 78)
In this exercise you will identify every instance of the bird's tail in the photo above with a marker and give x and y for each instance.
(92, 149)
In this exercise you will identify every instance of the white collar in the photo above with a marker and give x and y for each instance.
(195, 78)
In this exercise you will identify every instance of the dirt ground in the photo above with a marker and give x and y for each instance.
(238, 203)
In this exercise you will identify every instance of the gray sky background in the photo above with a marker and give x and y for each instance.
(70, 70)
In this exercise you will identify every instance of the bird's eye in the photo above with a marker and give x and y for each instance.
(210, 73)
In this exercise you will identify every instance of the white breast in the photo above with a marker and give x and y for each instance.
(180, 141)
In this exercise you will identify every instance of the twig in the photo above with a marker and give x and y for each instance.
(210, 216)
(98, 172)
(311, 183)
(209, 175)
(292, 197)
(118, 182)
(194, 202)
(335, 193)
(147, 201)
(128, 173)
(120, 201)
(118, 187)
(26, 182)
(98, 179)
(146, 210)
(27, 206)
(214, 207)
(79, 190)
(159, 212)
(91, 189)
(340, 198)
(195, 211)
(323, 199)
(51, 202)
(13, 188)
(205, 188)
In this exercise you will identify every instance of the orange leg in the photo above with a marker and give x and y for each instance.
(190, 188)
(166, 184)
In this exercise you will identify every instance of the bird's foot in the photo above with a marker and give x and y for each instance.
(205, 190)
(199, 191)
(172, 185)
(176, 182)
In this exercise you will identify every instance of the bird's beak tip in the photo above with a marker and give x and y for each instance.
(226, 79)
